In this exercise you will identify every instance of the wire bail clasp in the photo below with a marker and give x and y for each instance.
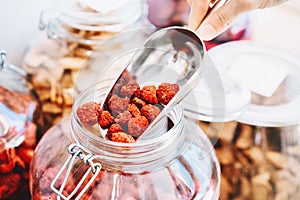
(4, 65)
(76, 151)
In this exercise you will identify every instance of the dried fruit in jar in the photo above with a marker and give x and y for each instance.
(131, 90)
(137, 125)
(121, 137)
(148, 94)
(129, 109)
(88, 113)
(117, 104)
(105, 119)
(150, 112)
(166, 91)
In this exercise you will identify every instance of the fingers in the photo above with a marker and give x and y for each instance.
(197, 13)
(217, 21)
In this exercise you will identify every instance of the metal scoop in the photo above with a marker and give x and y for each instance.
(170, 55)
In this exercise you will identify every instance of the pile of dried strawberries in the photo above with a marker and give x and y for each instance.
(128, 109)
(15, 157)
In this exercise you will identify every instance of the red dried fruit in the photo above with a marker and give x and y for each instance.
(7, 162)
(117, 104)
(114, 128)
(150, 112)
(137, 125)
(123, 118)
(9, 184)
(116, 89)
(148, 94)
(122, 137)
(131, 90)
(26, 154)
(138, 102)
(105, 119)
(166, 91)
(88, 113)
(134, 110)
(126, 77)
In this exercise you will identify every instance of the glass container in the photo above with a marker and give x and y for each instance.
(259, 149)
(76, 33)
(19, 125)
(72, 161)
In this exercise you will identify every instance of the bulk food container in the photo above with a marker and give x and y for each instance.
(175, 160)
(74, 30)
(258, 148)
(19, 125)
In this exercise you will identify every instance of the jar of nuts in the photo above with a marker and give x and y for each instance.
(76, 33)
(259, 148)
(75, 162)
(19, 115)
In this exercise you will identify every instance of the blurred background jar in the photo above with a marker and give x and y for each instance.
(176, 12)
(75, 30)
(258, 149)
(20, 129)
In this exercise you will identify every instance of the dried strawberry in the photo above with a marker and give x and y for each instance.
(138, 102)
(131, 90)
(150, 112)
(137, 125)
(166, 91)
(117, 104)
(121, 137)
(88, 113)
(26, 154)
(123, 118)
(148, 94)
(114, 128)
(134, 110)
(105, 119)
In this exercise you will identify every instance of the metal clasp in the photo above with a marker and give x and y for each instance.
(4, 65)
(76, 151)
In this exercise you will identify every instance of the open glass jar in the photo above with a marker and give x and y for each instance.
(19, 115)
(76, 30)
(259, 148)
(178, 164)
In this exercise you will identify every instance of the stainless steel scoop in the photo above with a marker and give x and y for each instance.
(170, 55)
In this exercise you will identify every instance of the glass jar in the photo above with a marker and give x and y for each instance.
(75, 31)
(19, 124)
(177, 164)
(259, 149)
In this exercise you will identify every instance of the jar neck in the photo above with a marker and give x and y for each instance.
(138, 157)
(75, 23)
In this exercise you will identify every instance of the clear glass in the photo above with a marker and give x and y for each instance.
(179, 164)
(20, 129)
(76, 38)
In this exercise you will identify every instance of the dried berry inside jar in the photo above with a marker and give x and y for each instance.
(128, 109)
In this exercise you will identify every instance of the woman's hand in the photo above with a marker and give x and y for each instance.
(208, 27)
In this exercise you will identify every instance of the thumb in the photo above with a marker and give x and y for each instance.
(217, 21)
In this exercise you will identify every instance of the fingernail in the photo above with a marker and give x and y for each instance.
(207, 32)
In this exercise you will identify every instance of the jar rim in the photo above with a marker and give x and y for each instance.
(282, 113)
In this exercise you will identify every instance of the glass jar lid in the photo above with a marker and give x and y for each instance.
(272, 76)
(100, 20)
(218, 97)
